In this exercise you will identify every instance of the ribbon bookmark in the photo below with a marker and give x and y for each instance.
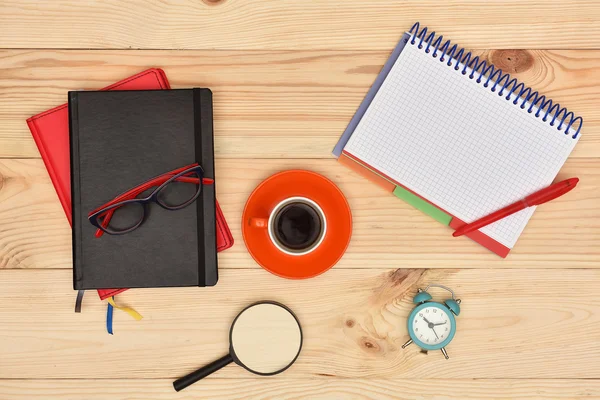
(109, 319)
(79, 300)
(137, 316)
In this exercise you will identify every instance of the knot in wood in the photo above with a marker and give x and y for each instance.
(369, 345)
(512, 61)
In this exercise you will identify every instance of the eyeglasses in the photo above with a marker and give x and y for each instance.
(176, 189)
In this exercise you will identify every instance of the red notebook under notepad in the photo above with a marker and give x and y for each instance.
(50, 131)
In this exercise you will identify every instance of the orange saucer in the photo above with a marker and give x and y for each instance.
(305, 184)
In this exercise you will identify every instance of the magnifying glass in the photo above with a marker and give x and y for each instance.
(265, 338)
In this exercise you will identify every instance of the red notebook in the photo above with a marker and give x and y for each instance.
(50, 131)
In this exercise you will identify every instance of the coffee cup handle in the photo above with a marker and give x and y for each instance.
(259, 222)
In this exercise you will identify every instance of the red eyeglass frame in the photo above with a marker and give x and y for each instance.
(136, 191)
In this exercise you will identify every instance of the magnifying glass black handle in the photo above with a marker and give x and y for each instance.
(195, 376)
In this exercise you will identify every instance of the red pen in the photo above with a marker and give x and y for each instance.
(550, 193)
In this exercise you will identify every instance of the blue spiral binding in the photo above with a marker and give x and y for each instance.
(492, 75)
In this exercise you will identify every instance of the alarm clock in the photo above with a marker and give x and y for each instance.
(431, 325)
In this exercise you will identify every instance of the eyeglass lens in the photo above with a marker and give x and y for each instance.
(126, 217)
(179, 193)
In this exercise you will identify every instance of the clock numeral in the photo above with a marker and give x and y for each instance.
(435, 310)
(427, 340)
(420, 314)
(442, 336)
(415, 321)
(417, 329)
(446, 329)
(421, 336)
(427, 310)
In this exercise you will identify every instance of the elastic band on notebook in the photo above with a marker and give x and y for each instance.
(498, 78)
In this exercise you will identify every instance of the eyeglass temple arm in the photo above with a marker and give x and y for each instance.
(148, 184)
(130, 194)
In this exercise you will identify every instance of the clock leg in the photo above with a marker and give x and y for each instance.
(405, 345)
(444, 353)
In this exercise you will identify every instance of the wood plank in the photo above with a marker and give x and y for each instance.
(514, 324)
(284, 388)
(269, 104)
(294, 24)
(34, 232)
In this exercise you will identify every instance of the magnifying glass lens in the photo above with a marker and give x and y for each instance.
(266, 338)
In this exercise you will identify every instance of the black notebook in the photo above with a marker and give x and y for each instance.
(119, 140)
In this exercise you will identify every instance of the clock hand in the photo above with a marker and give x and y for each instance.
(426, 320)
(440, 324)
(437, 337)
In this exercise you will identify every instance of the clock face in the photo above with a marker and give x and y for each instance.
(431, 325)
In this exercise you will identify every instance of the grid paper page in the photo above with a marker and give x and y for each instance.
(458, 144)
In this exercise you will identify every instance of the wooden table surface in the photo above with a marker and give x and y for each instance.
(287, 76)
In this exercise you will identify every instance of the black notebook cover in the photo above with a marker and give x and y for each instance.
(120, 139)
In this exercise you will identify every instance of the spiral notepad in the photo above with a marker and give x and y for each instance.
(457, 132)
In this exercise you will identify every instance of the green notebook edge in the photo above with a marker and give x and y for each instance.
(422, 205)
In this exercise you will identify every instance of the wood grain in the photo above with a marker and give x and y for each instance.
(269, 104)
(514, 324)
(283, 388)
(287, 76)
(295, 24)
(387, 232)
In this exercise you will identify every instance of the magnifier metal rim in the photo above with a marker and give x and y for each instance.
(232, 350)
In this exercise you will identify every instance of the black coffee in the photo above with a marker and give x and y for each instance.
(297, 226)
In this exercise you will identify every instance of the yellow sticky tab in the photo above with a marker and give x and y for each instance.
(128, 310)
